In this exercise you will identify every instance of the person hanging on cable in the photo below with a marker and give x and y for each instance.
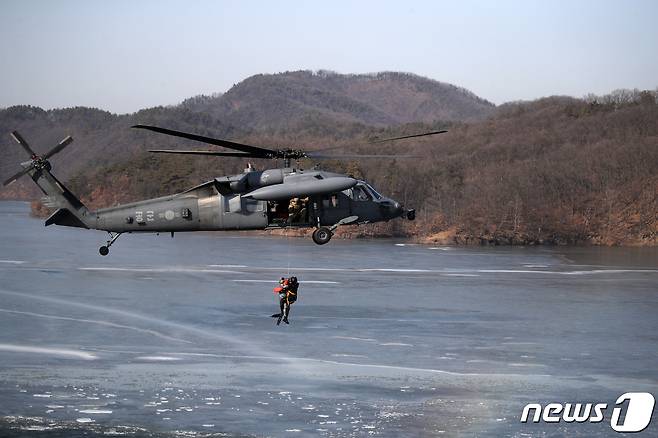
(291, 297)
(287, 292)
(280, 290)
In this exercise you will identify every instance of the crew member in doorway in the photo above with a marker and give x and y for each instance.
(297, 210)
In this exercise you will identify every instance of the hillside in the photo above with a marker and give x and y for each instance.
(293, 107)
(554, 171)
(99, 136)
(557, 170)
(290, 100)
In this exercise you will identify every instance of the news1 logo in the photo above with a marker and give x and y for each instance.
(637, 412)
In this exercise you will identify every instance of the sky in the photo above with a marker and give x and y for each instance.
(122, 56)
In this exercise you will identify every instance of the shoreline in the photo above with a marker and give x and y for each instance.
(448, 237)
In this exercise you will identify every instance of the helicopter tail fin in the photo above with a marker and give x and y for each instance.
(71, 212)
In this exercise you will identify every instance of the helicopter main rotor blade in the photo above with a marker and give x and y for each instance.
(21, 141)
(383, 140)
(211, 153)
(409, 136)
(256, 151)
(57, 149)
(14, 177)
(338, 157)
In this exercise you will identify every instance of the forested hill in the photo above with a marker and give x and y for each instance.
(291, 100)
(555, 170)
(299, 106)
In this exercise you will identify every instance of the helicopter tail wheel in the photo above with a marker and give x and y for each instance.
(105, 250)
(411, 214)
(322, 235)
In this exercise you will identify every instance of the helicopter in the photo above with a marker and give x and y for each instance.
(283, 197)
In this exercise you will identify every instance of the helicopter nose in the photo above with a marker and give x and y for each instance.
(392, 209)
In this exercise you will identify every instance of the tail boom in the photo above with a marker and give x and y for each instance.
(71, 212)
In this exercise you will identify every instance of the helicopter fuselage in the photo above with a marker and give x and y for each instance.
(253, 201)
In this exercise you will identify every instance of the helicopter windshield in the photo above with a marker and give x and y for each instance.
(374, 192)
(359, 193)
(363, 192)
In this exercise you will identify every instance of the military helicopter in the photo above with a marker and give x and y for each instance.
(253, 200)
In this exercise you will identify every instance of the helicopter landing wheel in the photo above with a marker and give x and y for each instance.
(322, 235)
(105, 249)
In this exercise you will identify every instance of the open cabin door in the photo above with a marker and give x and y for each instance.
(295, 212)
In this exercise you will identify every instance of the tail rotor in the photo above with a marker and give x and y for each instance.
(36, 162)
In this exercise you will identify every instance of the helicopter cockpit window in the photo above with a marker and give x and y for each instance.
(360, 194)
(374, 192)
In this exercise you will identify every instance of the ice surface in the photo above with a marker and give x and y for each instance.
(175, 336)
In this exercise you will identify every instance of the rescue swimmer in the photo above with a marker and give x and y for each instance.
(287, 293)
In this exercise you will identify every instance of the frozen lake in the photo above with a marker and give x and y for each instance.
(174, 336)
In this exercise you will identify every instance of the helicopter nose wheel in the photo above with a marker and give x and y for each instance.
(322, 235)
(105, 250)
